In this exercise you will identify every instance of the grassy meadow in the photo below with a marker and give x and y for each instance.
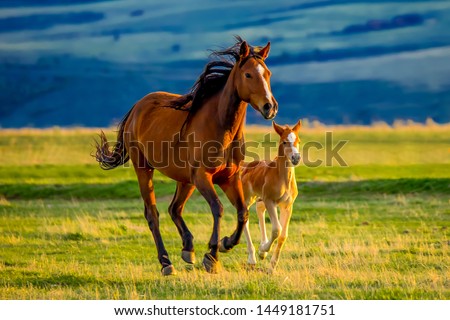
(377, 228)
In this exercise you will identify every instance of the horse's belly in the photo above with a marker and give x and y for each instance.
(171, 164)
(177, 175)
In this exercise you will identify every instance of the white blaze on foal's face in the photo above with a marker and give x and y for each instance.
(289, 141)
(291, 150)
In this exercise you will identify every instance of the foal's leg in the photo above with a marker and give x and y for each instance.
(285, 218)
(233, 190)
(182, 194)
(250, 247)
(204, 185)
(276, 227)
(261, 211)
(145, 176)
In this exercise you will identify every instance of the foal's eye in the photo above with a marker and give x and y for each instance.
(248, 75)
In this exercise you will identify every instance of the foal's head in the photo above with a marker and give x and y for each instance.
(289, 141)
(252, 79)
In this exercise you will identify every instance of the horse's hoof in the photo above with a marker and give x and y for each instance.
(262, 255)
(211, 264)
(168, 271)
(189, 267)
(188, 256)
(222, 247)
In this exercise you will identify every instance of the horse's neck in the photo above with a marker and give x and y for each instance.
(230, 112)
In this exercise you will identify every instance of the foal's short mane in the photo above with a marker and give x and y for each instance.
(213, 77)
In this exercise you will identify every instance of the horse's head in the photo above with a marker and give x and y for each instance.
(252, 80)
(289, 141)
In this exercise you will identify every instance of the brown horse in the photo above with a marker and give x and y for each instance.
(197, 140)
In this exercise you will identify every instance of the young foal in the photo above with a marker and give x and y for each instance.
(272, 184)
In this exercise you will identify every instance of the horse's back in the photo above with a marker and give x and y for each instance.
(154, 116)
(156, 103)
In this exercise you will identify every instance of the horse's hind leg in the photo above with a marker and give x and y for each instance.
(182, 194)
(145, 178)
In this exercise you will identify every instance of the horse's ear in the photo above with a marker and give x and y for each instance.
(244, 50)
(297, 126)
(278, 129)
(264, 52)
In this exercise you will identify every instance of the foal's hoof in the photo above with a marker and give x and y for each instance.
(188, 256)
(262, 255)
(271, 271)
(222, 247)
(273, 265)
(211, 264)
(168, 271)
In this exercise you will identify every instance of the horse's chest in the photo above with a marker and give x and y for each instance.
(224, 173)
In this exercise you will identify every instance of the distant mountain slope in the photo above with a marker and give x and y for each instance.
(87, 62)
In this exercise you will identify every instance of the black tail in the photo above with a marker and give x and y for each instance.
(112, 158)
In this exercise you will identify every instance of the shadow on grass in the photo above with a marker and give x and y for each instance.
(381, 186)
(129, 190)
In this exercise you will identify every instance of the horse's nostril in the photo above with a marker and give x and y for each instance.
(267, 107)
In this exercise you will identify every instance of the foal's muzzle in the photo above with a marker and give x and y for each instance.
(295, 158)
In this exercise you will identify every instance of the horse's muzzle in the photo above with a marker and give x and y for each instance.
(269, 111)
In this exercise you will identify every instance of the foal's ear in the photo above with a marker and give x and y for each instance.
(297, 126)
(244, 51)
(264, 52)
(278, 129)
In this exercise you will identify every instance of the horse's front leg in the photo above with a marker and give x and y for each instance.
(204, 185)
(233, 190)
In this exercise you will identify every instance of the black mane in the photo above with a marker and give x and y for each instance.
(213, 77)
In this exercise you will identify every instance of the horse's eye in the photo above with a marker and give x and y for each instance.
(248, 75)
(284, 142)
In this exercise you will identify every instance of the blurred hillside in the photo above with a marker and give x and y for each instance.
(87, 62)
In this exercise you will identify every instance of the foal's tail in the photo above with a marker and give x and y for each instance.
(112, 158)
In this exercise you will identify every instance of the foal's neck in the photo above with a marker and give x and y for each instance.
(284, 166)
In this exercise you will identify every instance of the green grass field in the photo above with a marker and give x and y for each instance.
(376, 229)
